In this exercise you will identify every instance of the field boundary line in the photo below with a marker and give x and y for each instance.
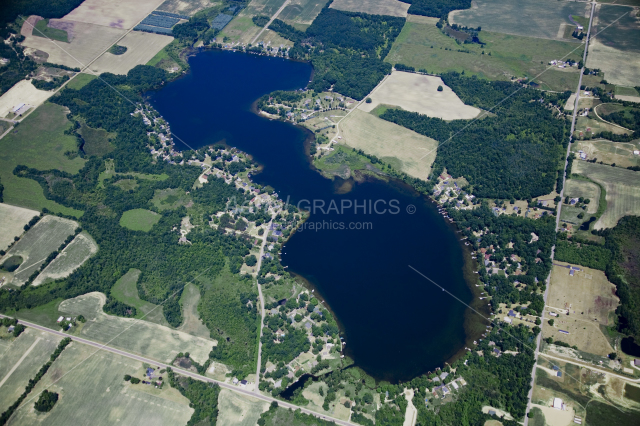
(273, 18)
(595, 108)
(17, 364)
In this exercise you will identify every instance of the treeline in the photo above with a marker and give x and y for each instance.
(514, 153)
(346, 49)
(10, 10)
(629, 119)
(19, 66)
(4, 418)
(50, 85)
(203, 398)
(282, 28)
(436, 8)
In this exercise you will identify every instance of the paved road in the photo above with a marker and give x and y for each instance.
(191, 374)
(275, 15)
(553, 249)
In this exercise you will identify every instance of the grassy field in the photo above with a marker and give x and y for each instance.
(192, 323)
(373, 7)
(241, 29)
(38, 142)
(43, 30)
(36, 347)
(80, 375)
(602, 414)
(593, 125)
(42, 239)
(170, 199)
(139, 219)
(141, 337)
(622, 187)
(110, 172)
(72, 257)
(125, 290)
(96, 141)
(80, 80)
(400, 147)
(423, 46)
(13, 220)
(542, 19)
(235, 409)
(575, 188)
(419, 93)
(592, 299)
(626, 91)
(302, 11)
(618, 153)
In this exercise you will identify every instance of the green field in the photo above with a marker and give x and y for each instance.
(542, 19)
(96, 141)
(80, 80)
(235, 409)
(43, 30)
(423, 46)
(40, 346)
(92, 391)
(125, 290)
(603, 414)
(626, 91)
(141, 337)
(39, 142)
(170, 199)
(41, 240)
(192, 323)
(111, 172)
(139, 219)
(622, 187)
(71, 258)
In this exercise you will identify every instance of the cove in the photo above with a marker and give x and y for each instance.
(397, 324)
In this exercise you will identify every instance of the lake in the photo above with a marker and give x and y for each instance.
(397, 324)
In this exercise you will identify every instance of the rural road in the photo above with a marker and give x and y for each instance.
(564, 177)
(178, 370)
(273, 18)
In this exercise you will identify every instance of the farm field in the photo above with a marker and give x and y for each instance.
(263, 7)
(141, 48)
(622, 187)
(22, 93)
(419, 93)
(373, 7)
(616, 50)
(302, 12)
(396, 145)
(42, 29)
(71, 258)
(184, 7)
(81, 374)
(27, 353)
(13, 220)
(592, 299)
(192, 323)
(423, 46)
(42, 239)
(237, 409)
(620, 153)
(241, 29)
(80, 81)
(88, 42)
(125, 290)
(139, 219)
(542, 19)
(121, 14)
(141, 337)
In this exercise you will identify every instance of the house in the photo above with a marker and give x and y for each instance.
(444, 375)
(454, 385)
(235, 381)
(307, 325)
(511, 313)
(492, 412)
(243, 382)
(60, 319)
(636, 362)
(497, 351)
(507, 320)
(277, 384)
(557, 403)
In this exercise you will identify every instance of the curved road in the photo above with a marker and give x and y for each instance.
(191, 374)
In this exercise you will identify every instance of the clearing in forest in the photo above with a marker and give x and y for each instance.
(42, 239)
(192, 323)
(419, 93)
(542, 18)
(81, 374)
(622, 188)
(125, 290)
(373, 7)
(393, 144)
(139, 219)
(590, 300)
(616, 49)
(141, 48)
(87, 43)
(140, 337)
(235, 409)
(21, 360)
(71, 258)
(425, 47)
(13, 220)
(80, 80)
(122, 14)
(618, 153)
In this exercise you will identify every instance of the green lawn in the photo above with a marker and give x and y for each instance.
(139, 219)
(423, 46)
(42, 30)
(80, 80)
(38, 142)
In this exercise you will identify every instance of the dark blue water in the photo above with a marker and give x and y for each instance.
(396, 323)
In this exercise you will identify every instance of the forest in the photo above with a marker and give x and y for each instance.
(513, 153)
(18, 67)
(10, 10)
(202, 395)
(629, 118)
(346, 49)
(436, 8)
